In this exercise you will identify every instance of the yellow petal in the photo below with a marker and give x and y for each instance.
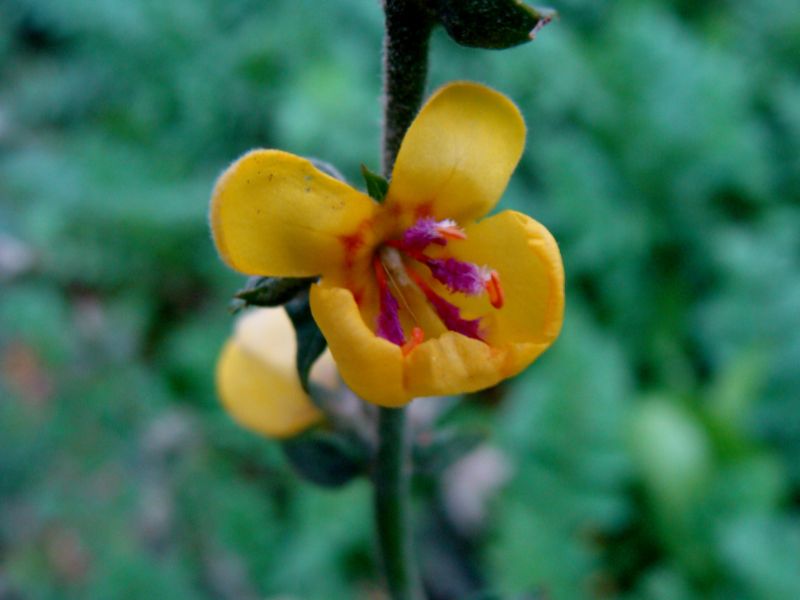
(526, 257)
(458, 154)
(257, 381)
(274, 213)
(455, 364)
(371, 366)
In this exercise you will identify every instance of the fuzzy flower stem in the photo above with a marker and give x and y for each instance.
(391, 506)
(408, 29)
(405, 68)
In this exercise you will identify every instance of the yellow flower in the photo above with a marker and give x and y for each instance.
(257, 380)
(416, 297)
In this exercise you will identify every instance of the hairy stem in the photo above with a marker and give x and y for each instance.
(405, 67)
(391, 507)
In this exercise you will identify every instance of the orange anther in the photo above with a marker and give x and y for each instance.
(452, 232)
(417, 337)
(495, 290)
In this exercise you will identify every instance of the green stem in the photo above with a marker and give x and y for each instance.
(391, 507)
(408, 29)
(405, 68)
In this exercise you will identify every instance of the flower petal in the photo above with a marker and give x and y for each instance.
(458, 155)
(274, 213)
(456, 364)
(527, 259)
(370, 365)
(257, 380)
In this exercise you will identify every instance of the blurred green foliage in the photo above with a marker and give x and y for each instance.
(655, 449)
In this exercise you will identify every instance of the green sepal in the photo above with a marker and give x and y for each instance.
(270, 291)
(377, 186)
(493, 24)
(310, 341)
(327, 458)
(445, 448)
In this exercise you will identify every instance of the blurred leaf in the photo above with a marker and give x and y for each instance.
(272, 291)
(752, 484)
(310, 341)
(765, 554)
(492, 24)
(672, 452)
(562, 428)
(732, 398)
(329, 459)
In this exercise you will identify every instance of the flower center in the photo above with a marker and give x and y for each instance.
(397, 265)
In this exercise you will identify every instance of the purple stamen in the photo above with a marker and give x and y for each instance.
(426, 230)
(457, 275)
(447, 312)
(452, 319)
(388, 322)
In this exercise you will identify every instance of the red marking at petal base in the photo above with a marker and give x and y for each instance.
(353, 242)
(351, 245)
(423, 210)
(397, 244)
(380, 274)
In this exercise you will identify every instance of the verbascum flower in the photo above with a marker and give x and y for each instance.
(416, 296)
(257, 380)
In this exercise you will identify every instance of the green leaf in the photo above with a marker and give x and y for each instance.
(270, 291)
(377, 186)
(329, 459)
(493, 24)
(310, 341)
(672, 452)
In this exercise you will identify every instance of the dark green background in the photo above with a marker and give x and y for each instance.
(655, 449)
